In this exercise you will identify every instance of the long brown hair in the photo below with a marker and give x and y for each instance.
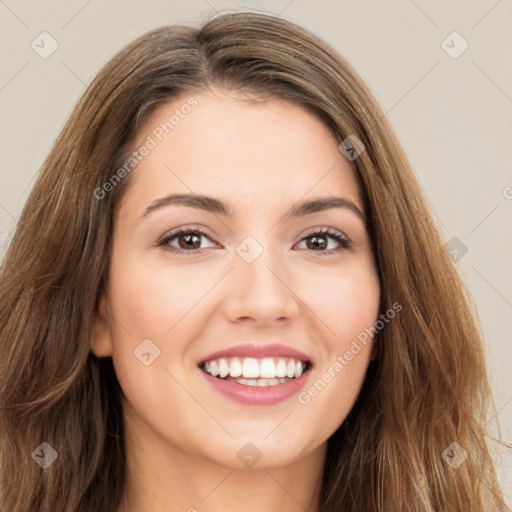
(427, 387)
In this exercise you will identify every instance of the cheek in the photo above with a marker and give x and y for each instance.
(149, 299)
(347, 305)
(165, 304)
(346, 299)
(353, 316)
(153, 313)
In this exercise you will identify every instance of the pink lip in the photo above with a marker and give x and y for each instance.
(258, 352)
(256, 395)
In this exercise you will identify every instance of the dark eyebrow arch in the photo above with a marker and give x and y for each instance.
(212, 205)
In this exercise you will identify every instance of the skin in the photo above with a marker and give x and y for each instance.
(182, 436)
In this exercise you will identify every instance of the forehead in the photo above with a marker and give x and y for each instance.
(247, 150)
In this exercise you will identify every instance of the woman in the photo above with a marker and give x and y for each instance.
(318, 353)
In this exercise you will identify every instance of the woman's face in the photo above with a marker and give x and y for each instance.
(259, 292)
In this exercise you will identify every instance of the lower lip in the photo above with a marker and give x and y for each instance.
(257, 395)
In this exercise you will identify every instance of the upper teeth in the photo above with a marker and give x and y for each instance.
(249, 367)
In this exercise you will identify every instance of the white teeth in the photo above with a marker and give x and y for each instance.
(235, 367)
(280, 368)
(267, 368)
(290, 369)
(250, 368)
(214, 368)
(268, 382)
(261, 382)
(223, 368)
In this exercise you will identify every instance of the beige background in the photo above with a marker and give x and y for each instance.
(452, 115)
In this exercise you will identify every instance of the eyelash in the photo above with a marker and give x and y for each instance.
(342, 239)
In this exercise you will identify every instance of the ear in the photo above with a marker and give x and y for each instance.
(101, 343)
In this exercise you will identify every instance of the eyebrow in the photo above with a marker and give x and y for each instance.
(212, 205)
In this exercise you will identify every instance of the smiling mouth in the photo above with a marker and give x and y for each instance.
(250, 371)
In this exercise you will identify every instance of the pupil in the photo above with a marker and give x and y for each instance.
(189, 241)
(315, 243)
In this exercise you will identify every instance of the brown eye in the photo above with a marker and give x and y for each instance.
(189, 241)
(319, 241)
(185, 241)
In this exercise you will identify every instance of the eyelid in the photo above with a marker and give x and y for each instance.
(325, 230)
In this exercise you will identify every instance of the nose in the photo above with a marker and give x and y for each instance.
(261, 291)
